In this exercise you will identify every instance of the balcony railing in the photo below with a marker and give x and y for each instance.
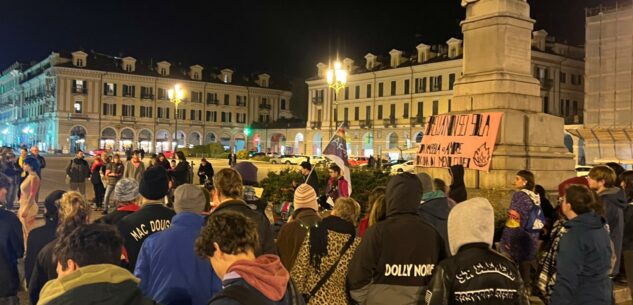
(264, 106)
(128, 119)
(315, 125)
(241, 104)
(317, 100)
(546, 83)
(197, 122)
(389, 122)
(147, 96)
(163, 120)
(213, 102)
(418, 120)
(77, 116)
(80, 90)
(365, 123)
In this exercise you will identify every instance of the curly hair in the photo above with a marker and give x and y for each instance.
(89, 244)
(233, 232)
(74, 211)
(229, 183)
(347, 209)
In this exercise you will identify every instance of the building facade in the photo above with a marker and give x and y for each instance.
(387, 100)
(606, 135)
(89, 101)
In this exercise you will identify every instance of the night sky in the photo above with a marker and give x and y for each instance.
(283, 38)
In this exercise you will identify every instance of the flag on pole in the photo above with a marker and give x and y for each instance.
(336, 150)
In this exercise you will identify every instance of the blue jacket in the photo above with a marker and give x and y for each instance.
(170, 270)
(583, 263)
(11, 248)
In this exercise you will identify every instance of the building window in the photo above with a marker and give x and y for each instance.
(182, 114)
(109, 89)
(162, 94)
(392, 110)
(380, 112)
(128, 110)
(223, 117)
(420, 109)
(380, 89)
(212, 98)
(406, 86)
(345, 114)
(368, 91)
(146, 111)
(79, 86)
(436, 83)
(546, 104)
(78, 107)
(356, 113)
(367, 112)
(196, 97)
(230, 115)
(560, 107)
(406, 111)
(109, 109)
(451, 81)
(347, 93)
(283, 104)
(128, 91)
(436, 107)
(357, 92)
(574, 108)
(393, 87)
(450, 102)
(563, 77)
(167, 113)
(196, 75)
(226, 99)
(159, 112)
(192, 115)
(163, 71)
(567, 112)
(80, 62)
(208, 116)
(128, 68)
(147, 93)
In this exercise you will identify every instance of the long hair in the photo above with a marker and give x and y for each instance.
(74, 211)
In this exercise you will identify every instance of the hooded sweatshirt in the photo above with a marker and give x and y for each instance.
(265, 275)
(615, 202)
(583, 262)
(94, 284)
(475, 269)
(434, 211)
(457, 191)
(392, 265)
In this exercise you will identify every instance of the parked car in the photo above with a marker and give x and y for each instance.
(252, 154)
(288, 159)
(406, 167)
(319, 160)
(358, 161)
(582, 170)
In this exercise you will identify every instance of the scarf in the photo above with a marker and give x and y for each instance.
(547, 273)
(319, 237)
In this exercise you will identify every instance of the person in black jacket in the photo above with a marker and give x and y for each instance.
(162, 161)
(457, 190)
(381, 271)
(11, 248)
(475, 271)
(228, 197)
(181, 174)
(89, 273)
(78, 170)
(205, 171)
(12, 171)
(309, 176)
(40, 237)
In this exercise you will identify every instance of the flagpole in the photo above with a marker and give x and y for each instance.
(328, 142)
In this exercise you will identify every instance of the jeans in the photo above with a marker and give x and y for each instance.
(80, 186)
(106, 200)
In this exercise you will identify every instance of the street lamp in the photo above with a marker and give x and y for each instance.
(247, 132)
(175, 96)
(336, 79)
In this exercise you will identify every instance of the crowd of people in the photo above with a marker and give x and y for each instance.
(169, 239)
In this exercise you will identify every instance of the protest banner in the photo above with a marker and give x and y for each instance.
(466, 139)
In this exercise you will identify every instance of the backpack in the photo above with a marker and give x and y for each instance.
(536, 220)
(246, 296)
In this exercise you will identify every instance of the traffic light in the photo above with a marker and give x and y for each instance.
(247, 131)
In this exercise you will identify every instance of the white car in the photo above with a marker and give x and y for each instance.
(406, 167)
(582, 170)
(319, 160)
(288, 159)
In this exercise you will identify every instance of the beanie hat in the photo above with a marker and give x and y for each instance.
(305, 197)
(189, 198)
(472, 221)
(154, 183)
(570, 181)
(126, 190)
(248, 171)
(427, 182)
(52, 210)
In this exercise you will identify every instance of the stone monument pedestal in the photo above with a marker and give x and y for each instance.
(497, 78)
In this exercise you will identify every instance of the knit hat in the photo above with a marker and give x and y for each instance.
(189, 198)
(126, 190)
(570, 181)
(52, 210)
(248, 171)
(427, 182)
(305, 197)
(154, 184)
(472, 221)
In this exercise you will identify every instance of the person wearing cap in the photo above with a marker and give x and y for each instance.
(474, 267)
(228, 196)
(151, 218)
(304, 217)
(126, 196)
(11, 248)
(191, 280)
(43, 235)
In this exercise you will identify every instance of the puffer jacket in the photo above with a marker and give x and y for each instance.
(583, 263)
(392, 265)
(102, 284)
